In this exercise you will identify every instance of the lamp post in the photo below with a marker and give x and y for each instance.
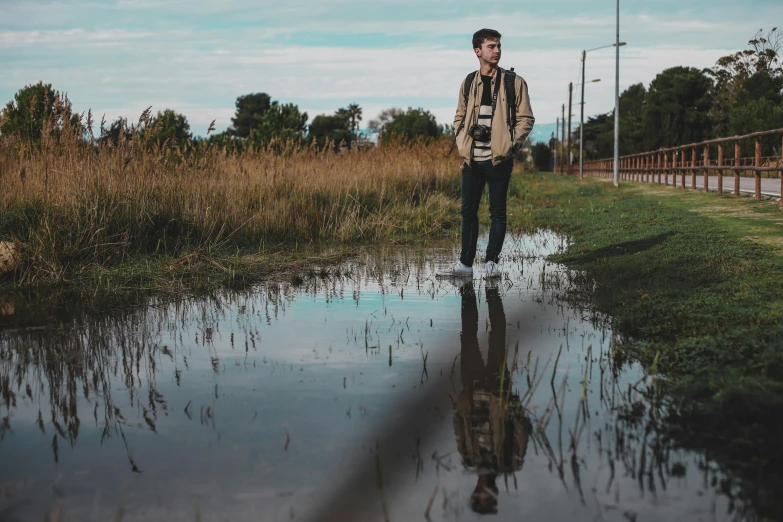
(555, 137)
(616, 174)
(568, 131)
(582, 119)
(562, 139)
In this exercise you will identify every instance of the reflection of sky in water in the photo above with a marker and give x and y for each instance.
(260, 401)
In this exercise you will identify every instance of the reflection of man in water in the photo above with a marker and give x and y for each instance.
(489, 421)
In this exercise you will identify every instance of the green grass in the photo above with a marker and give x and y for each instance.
(694, 281)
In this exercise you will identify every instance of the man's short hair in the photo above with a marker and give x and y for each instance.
(482, 35)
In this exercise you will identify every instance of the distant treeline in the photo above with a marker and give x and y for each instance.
(742, 93)
(257, 122)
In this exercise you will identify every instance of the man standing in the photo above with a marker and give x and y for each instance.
(493, 120)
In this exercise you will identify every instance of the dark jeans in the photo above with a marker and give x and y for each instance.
(474, 177)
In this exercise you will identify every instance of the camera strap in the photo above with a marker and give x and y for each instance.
(494, 94)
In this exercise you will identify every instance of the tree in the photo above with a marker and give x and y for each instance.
(412, 124)
(250, 112)
(32, 108)
(224, 139)
(118, 128)
(354, 117)
(632, 103)
(599, 130)
(759, 106)
(599, 136)
(168, 127)
(542, 156)
(280, 121)
(678, 107)
(334, 128)
(378, 125)
(731, 72)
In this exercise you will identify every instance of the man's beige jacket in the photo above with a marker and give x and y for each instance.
(503, 143)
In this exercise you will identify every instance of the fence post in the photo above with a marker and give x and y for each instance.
(720, 172)
(683, 165)
(665, 167)
(656, 162)
(758, 164)
(637, 164)
(706, 168)
(640, 163)
(635, 167)
(693, 166)
(737, 162)
(645, 171)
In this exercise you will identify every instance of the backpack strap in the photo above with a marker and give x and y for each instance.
(465, 94)
(511, 98)
(466, 87)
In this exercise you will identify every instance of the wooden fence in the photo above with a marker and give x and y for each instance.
(705, 157)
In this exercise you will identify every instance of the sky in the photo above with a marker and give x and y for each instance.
(119, 57)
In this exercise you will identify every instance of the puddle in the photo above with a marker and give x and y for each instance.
(265, 404)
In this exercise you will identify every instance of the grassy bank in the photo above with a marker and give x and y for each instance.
(129, 216)
(692, 283)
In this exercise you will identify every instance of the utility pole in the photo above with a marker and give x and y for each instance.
(568, 133)
(582, 111)
(554, 153)
(554, 137)
(562, 139)
(616, 178)
(582, 118)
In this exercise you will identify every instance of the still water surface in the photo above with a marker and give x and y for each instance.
(260, 405)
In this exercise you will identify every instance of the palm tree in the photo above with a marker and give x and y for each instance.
(355, 115)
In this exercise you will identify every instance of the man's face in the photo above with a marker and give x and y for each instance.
(489, 52)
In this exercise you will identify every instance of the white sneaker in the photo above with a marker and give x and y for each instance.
(458, 270)
(492, 270)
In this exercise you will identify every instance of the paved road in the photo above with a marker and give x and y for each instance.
(770, 187)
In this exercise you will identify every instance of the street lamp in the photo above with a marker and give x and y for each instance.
(616, 174)
(582, 117)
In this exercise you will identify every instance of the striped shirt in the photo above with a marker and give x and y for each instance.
(481, 149)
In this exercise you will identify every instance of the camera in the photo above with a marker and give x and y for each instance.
(480, 132)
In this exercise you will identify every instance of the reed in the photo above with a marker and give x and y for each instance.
(72, 201)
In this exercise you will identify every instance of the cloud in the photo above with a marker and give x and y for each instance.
(321, 79)
(18, 39)
(128, 55)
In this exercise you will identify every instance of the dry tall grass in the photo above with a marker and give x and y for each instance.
(72, 201)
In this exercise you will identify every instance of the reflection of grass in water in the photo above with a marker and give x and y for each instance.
(693, 299)
(74, 365)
